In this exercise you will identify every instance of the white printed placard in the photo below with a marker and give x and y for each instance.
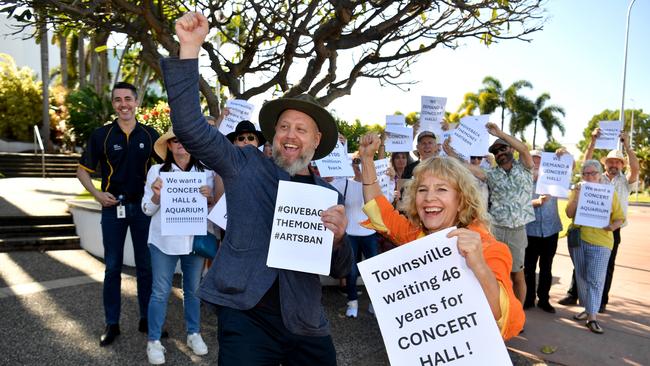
(398, 139)
(396, 120)
(183, 208)
(430, 307)
(471, 137)
(383, 179)
(609, 135)
(554, 176)
(299, 239)
(239, 110)
(594, 204)
(336, 164)
(432, 110)
(219, 213)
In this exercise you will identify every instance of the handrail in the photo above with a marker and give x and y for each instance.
(37, 139)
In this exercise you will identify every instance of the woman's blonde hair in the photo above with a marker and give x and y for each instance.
(471, 206)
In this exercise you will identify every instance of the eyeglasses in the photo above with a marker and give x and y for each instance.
(476, 157)
(502, 148)
(590, 174)
(173, 141)
(241, 138)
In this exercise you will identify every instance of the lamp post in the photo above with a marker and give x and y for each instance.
(627, 33)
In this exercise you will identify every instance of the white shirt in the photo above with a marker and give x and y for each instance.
(353, 204)
(170, 245)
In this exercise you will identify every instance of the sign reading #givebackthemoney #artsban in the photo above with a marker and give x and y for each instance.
(182, 206)
(430, 307)
(299, 239)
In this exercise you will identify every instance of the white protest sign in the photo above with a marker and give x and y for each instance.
(471, 138)
(183, 208)
(398, 139)
(554, 176)
(609, 134)
(299, 239)
(430, 307)
(219, 213)
(240, 110)
(383, 179)
(397, 120)
(432, 111)
(336, 164)
(594, 204)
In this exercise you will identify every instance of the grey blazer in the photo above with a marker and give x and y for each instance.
(239, 276)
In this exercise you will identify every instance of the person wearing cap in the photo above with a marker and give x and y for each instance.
(123, 151)
(543, 234)
(246, 134)
(425, 148)
(167, 251)
(624, 184)
(266, 315)
(511, 187)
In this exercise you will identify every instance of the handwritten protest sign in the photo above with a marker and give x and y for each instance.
(398, 139)
(554, 175)
(240, 110)
(386, 184)
(430, 307)
(397, 120)
(471, 138)
(431, 112)
(299, 239)
(609, 134)
(219, 213)
(336, 164)
(594, 204)
(183, 208)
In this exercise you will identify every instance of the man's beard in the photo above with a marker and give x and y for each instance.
(297, 166)
(504, 158)
(613, 171)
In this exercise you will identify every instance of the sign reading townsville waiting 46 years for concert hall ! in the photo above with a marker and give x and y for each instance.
(430, 307)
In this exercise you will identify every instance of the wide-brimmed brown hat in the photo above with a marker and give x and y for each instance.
(614, 154)
(304, 103)
(243, 127)
(160, 146)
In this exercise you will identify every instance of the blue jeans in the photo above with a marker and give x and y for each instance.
(369, 246)
(163, 266)
(114, 234)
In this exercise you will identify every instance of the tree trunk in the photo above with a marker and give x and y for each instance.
(534, 132)
(45, 77)
(503, 113)
(63, 47)
(82, 59)
(119, 64)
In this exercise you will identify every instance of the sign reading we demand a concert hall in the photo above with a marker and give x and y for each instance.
(430, 307)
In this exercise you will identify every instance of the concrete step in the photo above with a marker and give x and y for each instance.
(35, 220)
(16, 231)
(39, 243)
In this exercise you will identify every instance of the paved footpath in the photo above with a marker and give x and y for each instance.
(51, 307)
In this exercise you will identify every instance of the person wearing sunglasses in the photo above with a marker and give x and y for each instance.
(246, 134)
(511, 186)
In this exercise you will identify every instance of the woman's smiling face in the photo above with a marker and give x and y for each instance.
(437, 203)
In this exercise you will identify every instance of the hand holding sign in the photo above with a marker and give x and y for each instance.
(334, 219)
(608, 135)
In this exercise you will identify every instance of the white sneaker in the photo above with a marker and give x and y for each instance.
(353, 309)
(195, 342)
(371, 310)
(155, 352)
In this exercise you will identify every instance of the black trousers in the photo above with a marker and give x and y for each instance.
(259, 338)
(573, 291)
(542, 250)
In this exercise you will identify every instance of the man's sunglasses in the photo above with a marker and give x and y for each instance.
(476, 157)
(241, 138)
(499, 149)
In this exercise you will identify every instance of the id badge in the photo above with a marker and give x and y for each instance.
(121, 211)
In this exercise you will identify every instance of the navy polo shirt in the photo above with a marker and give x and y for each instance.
(124, 159)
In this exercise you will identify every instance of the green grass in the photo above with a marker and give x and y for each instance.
(85, 195)
(643, 197)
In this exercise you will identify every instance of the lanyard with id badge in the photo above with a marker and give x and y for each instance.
(121, 210)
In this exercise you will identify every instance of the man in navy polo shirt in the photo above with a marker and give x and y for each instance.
(123, 151)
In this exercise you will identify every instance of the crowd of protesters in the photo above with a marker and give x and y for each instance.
(273, 316)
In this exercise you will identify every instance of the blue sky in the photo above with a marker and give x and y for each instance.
(577, 58)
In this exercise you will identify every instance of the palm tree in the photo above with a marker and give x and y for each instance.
(527, 112)
(492, 96)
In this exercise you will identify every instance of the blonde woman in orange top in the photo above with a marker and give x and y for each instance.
(443, 193)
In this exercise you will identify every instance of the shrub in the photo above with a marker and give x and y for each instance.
(88, 110)
(20, 100)
(156, 117)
